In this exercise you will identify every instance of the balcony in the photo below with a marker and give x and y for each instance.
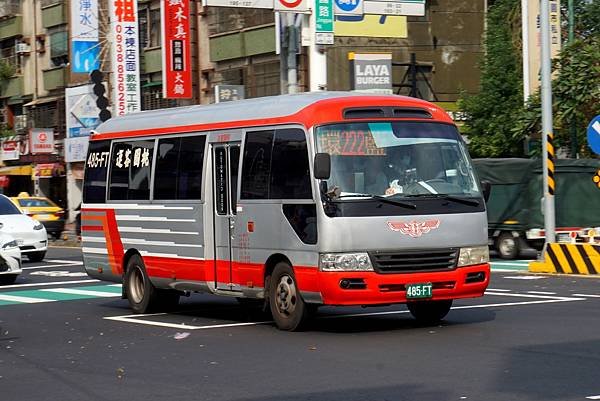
(14, 87)
(54, 13)
(245, 43)
(55, 78)
(10, 8)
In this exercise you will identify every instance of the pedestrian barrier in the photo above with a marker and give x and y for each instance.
(568, 258)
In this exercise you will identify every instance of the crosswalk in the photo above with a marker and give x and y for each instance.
(59, 294)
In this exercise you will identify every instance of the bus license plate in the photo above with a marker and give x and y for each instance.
(422, 290)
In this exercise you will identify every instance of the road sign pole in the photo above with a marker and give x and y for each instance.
(547, 135)
(317, 60)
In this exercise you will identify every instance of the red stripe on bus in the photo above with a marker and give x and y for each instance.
(92, 228)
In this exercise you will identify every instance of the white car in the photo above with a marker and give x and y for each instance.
(10, 259)
(29, 233)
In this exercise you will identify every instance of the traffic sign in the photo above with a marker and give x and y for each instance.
(414, 8)
(324, 16)
(349, 7)
(593, 134)
(298, 6)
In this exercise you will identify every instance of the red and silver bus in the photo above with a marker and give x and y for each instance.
(329, 198)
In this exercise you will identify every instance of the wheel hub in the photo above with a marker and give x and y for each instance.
(136, 285)
(286, 295)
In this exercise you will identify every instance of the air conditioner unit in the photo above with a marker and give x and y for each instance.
(21, 48)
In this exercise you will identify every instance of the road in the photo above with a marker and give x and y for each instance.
(64, 337)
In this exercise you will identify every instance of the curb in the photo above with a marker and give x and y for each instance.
(568, 259)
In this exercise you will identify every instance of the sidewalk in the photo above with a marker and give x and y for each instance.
(67, 238)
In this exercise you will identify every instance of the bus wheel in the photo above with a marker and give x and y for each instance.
(141, 294)
(429, 312)
(287, 307)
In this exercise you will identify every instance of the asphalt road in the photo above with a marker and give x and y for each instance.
(65, 338)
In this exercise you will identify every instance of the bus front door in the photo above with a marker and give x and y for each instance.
(225, 172)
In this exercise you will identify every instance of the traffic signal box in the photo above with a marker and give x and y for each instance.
(97, 78)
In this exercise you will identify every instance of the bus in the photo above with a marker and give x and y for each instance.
(294, 201)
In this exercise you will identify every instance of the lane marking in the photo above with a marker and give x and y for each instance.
(541, 292)
(525, 277)
(524, 263)
(50, 266)
(23, 300)
(587, 295)
(59, 273)
(593, 397)
(498, 289)
(76, 291)
(135, 318)
(48, 283)
(504, 294)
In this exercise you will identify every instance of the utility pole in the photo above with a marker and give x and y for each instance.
(547, 135)
(525, 40)
(572, 127)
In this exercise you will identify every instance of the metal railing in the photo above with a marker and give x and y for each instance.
(46, 3)
(9, 8)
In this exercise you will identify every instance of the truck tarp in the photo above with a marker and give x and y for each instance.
(517, 190)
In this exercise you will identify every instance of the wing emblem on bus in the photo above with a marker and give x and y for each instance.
(414, 228)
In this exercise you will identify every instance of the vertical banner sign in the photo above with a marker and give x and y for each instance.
(125, 57)
(176, 58)
(324, 22)
(85, 49)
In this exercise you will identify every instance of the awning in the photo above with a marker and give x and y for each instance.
(16, 170)
(42, 100)
(152, 84)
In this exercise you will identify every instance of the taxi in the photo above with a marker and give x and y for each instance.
(43, 210)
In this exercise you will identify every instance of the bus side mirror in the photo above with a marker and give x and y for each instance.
(322, 166)
(486, 187)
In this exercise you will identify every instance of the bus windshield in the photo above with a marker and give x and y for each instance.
(400, 159)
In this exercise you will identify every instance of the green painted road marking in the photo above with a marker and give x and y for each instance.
(58, 294)
(514, 265)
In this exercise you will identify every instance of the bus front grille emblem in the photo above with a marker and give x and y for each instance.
(414, 228)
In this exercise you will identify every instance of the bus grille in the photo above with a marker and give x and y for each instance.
(414, 261)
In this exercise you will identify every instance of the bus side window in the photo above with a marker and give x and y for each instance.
(178, 173)
(256, 167)
(290, 173)
(131, 165)
(96, 166)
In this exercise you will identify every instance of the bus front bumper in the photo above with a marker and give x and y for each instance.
(370, 288)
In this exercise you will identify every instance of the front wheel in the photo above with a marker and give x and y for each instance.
(287, 307)
(429, 312)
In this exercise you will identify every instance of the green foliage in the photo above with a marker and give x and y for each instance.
(6, 71)
(490, 113)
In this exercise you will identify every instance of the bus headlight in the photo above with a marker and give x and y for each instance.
(342, 262)
(473, 256)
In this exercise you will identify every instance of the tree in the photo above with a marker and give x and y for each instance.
(490, 113)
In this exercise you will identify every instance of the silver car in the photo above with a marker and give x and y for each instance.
(30, 234)
(10, 259)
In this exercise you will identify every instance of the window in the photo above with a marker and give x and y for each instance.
(276, 165)
(178, 173)
(96, 166)
(7, 207)
(290, 174)
(59, 46)
(257, 165)
(131, 164)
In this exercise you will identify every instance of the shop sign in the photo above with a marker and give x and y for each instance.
(85, 49)
(10, 150)
(125, 57)
(47, 170)
(372, 72)
(76, 149)
(81, 111)
(240, 3)
(41, 140)
(228, 93)
(176, 59)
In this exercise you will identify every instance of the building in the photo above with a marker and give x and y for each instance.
(230, 46)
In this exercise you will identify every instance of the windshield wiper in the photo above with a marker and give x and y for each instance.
(457, 199)
(382, 199)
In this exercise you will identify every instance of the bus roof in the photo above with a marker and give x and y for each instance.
(255, 112)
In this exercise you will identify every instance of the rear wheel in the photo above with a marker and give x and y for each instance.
(143, 297)
(287, 307)
(6, 279)
(507, 246)
(36, 256)
(429, 312)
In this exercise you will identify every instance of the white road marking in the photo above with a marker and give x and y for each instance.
(136, 318)
(593, 397)
(587, 295)
(75, 291)
(25, 300)
(48, 283)
(525, 277)
(498, 289)
(50, 266)
(504, 294)
(59, 273)
(515, 263)
(541, 292)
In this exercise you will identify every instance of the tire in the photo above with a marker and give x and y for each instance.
(429, 312)
(287, 307)
(7, 279)
(143, 297)
(507, 246)
(36, 256)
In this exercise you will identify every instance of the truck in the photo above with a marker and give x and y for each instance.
(515, 206)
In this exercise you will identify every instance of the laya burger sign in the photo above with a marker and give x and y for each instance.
(41, 141)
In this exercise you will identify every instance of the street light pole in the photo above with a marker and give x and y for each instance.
(547, 135)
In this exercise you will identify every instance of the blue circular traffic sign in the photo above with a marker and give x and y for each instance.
(347, 5)
(593, 134)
